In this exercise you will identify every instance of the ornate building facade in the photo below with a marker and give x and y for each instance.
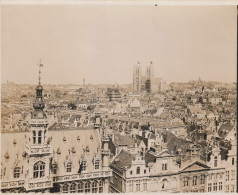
(49, 160)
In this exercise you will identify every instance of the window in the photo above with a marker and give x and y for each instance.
(65, 188)
(215, 176)
(220, 176)
(87, 187)
(215, 161)
(80, 187)
(227, 188)
(185, 181)
(100, 186)
(215, 186)
(145, 171)
(232, 174)
(54, 168)
(220, 186)
(73, 188)
(138, 170)
(69, 167)
(164, 166)
(34, 137)
(39, 169)
(138, 186)
(130, 187)
(84, 165)
(164, 184)
(227, 175)
(144, 186)
(17, 172)
(194, 180)
(232, 188)
(39, 137)
(97, 162)
(210, 177)
(209, 187)
(131, 172)
(233, 161)
(94, 186)
(202, 181)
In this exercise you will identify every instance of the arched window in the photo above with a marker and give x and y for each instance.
(72, 188)
(34, 137)
(138, 170)
(94, 186)
(101, 186)
(39, 170)
(65, 188)
(17, 172)
(80, 187)
(39, 137)
(87, 187)
(97, 162)
(69, 167)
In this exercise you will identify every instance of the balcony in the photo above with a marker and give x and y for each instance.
(83, 176)
(39, 184)
(36, 150)
(38, 121)
(12, 184)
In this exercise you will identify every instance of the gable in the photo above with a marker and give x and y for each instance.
(196, 166)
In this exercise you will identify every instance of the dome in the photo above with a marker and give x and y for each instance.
(39, 87)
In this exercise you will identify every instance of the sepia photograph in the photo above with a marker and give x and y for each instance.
(118, 97)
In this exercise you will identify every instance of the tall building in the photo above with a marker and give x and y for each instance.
(137, 79)
(54, 160)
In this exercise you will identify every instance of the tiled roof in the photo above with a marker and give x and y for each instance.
(124, 158)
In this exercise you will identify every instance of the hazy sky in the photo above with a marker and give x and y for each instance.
(103, 42)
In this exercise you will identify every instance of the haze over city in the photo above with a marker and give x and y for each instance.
(97, 42)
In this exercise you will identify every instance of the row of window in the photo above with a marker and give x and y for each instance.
(209, 189)
(87, 187)
(138, 187)
(194, 180)
(39, 168)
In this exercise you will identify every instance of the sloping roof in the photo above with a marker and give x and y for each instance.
(124, 158)
(225, 127)
(13, 144)
(125, 140)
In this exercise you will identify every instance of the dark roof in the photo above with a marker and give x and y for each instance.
(124, 158)
(224, 127)
(149, 158)
(125, 140)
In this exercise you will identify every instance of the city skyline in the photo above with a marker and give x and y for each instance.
(95, 42)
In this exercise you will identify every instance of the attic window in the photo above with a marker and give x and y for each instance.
(6, 155)
(73, 150)
(58, 151)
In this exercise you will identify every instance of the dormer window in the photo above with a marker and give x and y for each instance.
(54, 168)
(14, 142)
(69, 167)
(17, 172)
(138, 170)
(64, 139)
(58, 151)
(97, 163)
(215, 161)
(84, 165)
(91, 138)
(78, 138)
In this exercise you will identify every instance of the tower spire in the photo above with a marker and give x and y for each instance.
(40, 65)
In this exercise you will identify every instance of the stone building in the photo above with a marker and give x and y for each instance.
(48, 160)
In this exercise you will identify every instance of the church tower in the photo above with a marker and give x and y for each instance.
(38, 148)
